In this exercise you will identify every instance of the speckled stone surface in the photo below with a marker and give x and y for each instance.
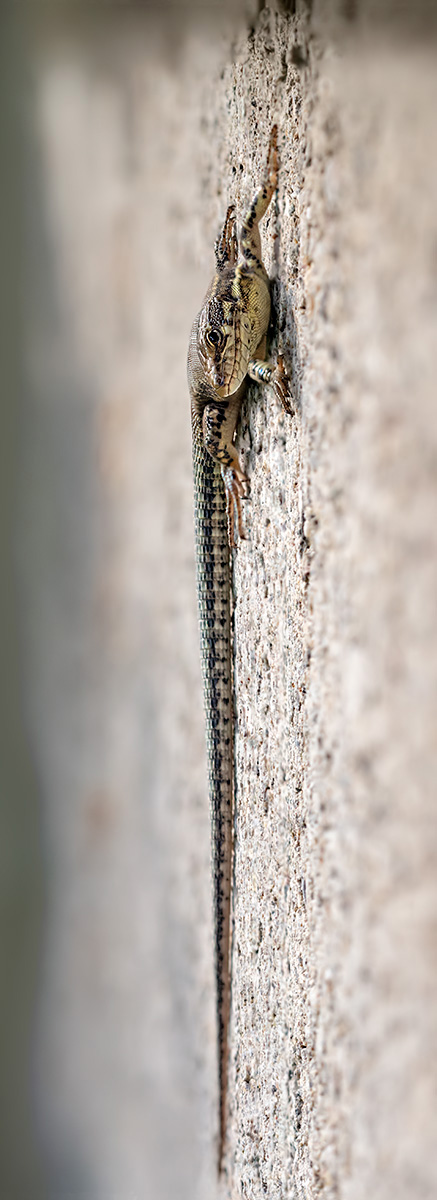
(335, 624)
(335, 618)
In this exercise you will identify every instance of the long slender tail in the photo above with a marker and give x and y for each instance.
(213, 582)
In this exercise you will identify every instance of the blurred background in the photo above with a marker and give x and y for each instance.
(102, 742)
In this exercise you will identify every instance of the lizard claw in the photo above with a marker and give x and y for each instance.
(281, 385)
(236, 488)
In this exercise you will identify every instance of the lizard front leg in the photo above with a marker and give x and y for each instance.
(265, 372)
(218, 424)
(226, 246)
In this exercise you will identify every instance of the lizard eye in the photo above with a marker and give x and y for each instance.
(214, 338)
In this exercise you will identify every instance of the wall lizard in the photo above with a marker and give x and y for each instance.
(227, 346)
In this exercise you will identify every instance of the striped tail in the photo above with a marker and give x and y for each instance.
(213, 584)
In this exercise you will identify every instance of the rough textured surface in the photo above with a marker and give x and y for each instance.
(333, 1020)
(335, 628)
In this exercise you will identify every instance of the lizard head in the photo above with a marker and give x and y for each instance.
(221, 345)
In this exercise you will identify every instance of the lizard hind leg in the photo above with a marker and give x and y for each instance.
(218, 426)
(236, 488)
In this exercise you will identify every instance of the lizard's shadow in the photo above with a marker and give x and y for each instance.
(282, 331)
(282, 337)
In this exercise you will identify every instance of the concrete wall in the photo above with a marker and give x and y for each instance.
(136, 132)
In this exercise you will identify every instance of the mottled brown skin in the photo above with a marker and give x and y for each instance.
(227, 346)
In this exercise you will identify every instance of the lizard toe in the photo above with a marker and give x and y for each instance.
(236, 487)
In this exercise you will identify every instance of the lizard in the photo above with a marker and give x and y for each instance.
(227, 347)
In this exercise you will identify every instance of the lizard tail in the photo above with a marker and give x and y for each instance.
(223, 994)
(213, 584)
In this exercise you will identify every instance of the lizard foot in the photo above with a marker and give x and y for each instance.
(281, 385)
(236, 487)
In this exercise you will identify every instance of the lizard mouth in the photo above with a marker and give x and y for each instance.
(217, 377)
(222, 373)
